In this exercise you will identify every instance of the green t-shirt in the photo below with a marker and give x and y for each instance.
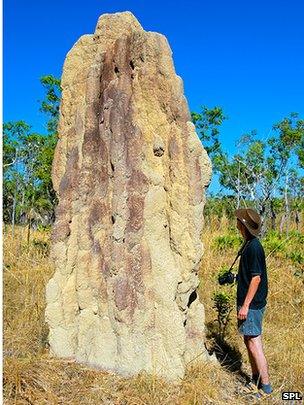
(252, 263)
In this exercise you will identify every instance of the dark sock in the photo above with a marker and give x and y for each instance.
(256, 379)
(267, 388)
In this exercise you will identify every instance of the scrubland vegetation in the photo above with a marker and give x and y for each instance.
(32, 376)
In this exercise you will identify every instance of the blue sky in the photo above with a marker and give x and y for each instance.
(247, 57)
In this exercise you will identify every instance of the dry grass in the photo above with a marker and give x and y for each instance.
(31, 376)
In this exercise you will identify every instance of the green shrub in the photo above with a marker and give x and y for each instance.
(225, 242)
(297, 237)
(41, 246)
(273, 242)
(44, 228)
(223, 305)
(290, 246)
(296, 257)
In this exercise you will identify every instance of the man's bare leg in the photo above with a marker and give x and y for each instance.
(254, 368)
(254, 346)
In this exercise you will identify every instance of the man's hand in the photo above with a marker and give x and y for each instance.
(243, 312)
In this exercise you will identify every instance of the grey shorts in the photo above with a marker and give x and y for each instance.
(252, 325)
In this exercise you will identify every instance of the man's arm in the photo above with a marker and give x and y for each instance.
(253, 286)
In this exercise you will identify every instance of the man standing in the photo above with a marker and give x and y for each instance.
(252, 292)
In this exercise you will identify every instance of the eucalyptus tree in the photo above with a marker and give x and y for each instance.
(27, 161)
(13, 190)
(265, 173)
(265, 169)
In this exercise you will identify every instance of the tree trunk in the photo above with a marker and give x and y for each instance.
(28, 231)
(22, 201)
(238, 189)
(14, 210)
(286, 205)
(282, 224)
(273, 216)
(297, 219)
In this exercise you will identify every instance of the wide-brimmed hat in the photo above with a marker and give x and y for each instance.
(251, 219)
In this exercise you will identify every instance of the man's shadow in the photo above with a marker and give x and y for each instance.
(228, 355)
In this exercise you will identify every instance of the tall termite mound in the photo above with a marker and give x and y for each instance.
(130, 174)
